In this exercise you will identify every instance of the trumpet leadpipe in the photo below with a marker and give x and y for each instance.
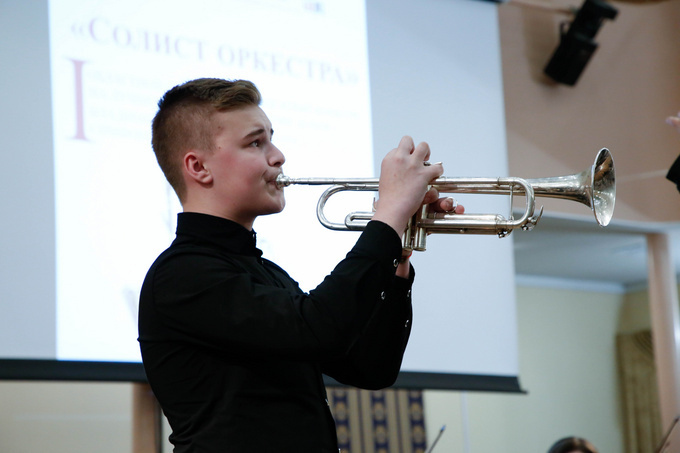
(355, 183)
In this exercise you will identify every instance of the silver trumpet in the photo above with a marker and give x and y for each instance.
(594, 187)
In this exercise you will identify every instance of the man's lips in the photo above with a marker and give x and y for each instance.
(274, 180)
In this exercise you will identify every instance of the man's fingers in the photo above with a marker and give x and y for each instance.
(431, 197)
(422, 151)
(406, 143)
(673, 121)
(447, 204)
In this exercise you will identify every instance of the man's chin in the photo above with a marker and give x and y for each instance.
(282, 204)
(276, 209)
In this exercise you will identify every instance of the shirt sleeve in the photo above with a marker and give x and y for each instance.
(375, 359)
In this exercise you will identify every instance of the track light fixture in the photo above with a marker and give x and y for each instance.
(577, 43)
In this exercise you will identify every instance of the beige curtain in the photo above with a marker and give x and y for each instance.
(639, 392)
(385, 421)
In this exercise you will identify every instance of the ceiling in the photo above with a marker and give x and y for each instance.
(578, 253)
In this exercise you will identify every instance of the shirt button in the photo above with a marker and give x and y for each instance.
(406, 325)
(408, 293)
(382, 295)
(396, 263)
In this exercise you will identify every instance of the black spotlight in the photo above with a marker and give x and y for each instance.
(674, 173)
(577, 44)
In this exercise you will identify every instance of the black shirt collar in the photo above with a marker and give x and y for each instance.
(227, 234)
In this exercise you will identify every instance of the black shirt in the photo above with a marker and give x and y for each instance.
(235, 351)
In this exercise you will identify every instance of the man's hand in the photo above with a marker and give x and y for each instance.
(404, 179)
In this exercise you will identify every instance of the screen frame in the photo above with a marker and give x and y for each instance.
(69, 370)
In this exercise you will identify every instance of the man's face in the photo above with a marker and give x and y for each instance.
(245, 164)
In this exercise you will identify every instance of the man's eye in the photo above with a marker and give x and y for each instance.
(255, 144)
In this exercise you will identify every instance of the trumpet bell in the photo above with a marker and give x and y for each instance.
(604, 187)
(594, 187)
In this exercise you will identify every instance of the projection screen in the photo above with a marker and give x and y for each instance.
(86, 209)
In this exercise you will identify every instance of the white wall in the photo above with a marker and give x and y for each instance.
(568, 368)
(61, 417)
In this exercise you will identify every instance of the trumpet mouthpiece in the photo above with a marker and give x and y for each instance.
(282, 181)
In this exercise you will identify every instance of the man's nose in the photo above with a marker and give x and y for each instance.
(276, 158)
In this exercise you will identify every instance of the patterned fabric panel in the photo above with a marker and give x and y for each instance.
(385, 421)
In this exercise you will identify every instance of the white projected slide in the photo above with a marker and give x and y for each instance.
(111, 62)
(86, 209)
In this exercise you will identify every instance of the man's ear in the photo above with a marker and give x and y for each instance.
(194, 167)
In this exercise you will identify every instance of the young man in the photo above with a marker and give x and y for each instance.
(232, 348)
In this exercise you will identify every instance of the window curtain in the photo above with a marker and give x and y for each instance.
(639, 392)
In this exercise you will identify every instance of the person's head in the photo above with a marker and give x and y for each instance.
(183, 120)
(203, 136)
(572, 445)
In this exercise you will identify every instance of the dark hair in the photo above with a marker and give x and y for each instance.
(571, 444)
(183, 120)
